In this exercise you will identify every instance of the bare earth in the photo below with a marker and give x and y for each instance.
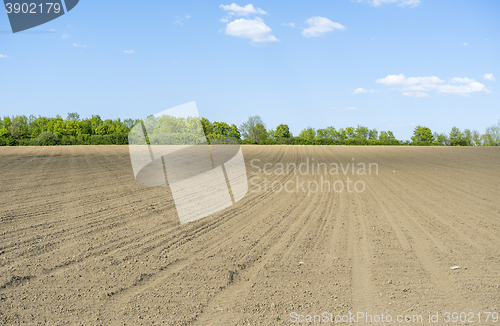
(81, 243)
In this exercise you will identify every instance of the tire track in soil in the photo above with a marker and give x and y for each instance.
(360, 252)
(118, 300)
(287, 242)
(434, 271)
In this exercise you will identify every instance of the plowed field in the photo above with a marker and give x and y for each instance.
(81, 243)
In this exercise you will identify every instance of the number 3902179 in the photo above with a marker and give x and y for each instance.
(33, 8)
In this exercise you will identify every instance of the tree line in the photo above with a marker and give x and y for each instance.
(424, 136)
(25, 131)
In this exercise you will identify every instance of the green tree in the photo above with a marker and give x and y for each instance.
(207, 126)
(95, 122)
(254, 129)
(361, 132)
(234, 133)
(57, 126)
(73, 128)
(476, 138)
(332, 133)
(4, 132)
(457, 137)
(387, 137)
(130, 123)
(468, 137)
(282, 131)
(261, 133)
(86, 126)
(492, 136)
(329, 133)
(73, 117)
(47, 138)
(383, 136)
(422, 135)
(31, 120)
(308, 134)
(38, 126)
(221, 130)
(442, 139)
(120, 127)
(6, 122)
(342, 135)
(322, 134)
(72, 125)
(18, 127)
(350, 132)
(102, 129)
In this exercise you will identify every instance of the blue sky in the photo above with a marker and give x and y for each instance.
(385, 64)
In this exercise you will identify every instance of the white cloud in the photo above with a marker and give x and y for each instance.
(415, 94)
(65, 36)
(465, 89)
(224, 20)
(79, 45)
(288, 24)
(129, 51)
(180, 19)
(234, 9)
(3, 56)
(464, 44)
(460, 80)
(416, 86)
(254, 29)
(401, 3)
(489, 77)
(362, 90)
(400, 80)
(391, 79)
(319, 26)
(351, 108)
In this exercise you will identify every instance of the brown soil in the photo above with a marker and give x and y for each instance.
(81, 243)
